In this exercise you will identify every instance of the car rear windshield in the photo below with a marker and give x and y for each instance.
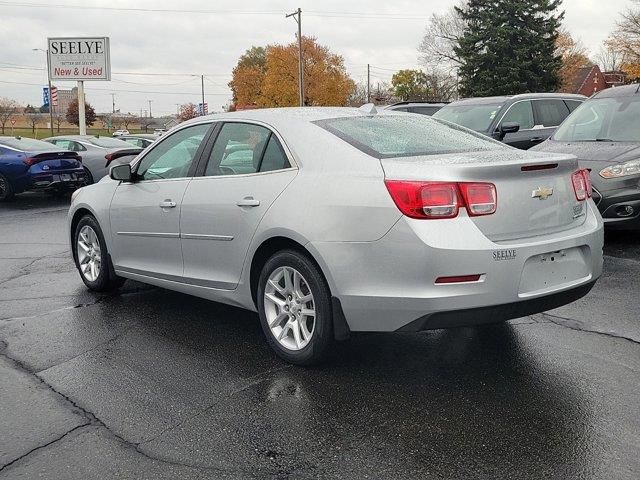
(603, 119)
(477, 117)
(389, 136)
(27, 144)
(106, 142)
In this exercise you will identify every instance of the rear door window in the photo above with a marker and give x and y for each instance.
(520, 113)
(572, 104)
(550, 113)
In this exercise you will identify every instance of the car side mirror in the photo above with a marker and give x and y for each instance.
(508, 127)
(121, 173)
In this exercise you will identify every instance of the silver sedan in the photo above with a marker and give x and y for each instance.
(98, 153)
(328, 221)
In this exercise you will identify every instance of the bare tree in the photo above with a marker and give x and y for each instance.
(8, 108)
(34, 120)
(610, 58)
(441, 36)
(58, 118)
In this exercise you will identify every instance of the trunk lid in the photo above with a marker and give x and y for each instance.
(53, 160)
(522, 211)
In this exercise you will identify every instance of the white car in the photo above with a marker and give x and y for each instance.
(117, 133)
(328, 221)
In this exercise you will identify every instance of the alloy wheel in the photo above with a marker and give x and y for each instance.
(89, 254)
(289, 308)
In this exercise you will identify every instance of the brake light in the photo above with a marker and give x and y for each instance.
(30, 161)
(432, 200)
(581, 181)
(109, 158)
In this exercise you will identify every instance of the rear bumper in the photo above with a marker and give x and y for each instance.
(57, 181)
(389, 284)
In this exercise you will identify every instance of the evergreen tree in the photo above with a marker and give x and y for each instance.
(508, 47)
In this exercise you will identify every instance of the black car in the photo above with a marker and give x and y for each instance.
(521, 121)
(604, 133)
(423, 108)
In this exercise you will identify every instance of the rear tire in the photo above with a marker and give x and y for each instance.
(6, 190)
(88, 178)
(92, 257)
(294, 305)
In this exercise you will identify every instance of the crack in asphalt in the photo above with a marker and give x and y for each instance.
(578, 326)
(24, 269)
(93, 420)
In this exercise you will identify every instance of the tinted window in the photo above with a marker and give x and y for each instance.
(172, 157)
(550, 113)
(274, 157)
(388, 136)
(106, 142)
(238, 149)
(603, 119)
(424, 110)
(26, 144)
(520, 113)
(477, 117)
(572, 104)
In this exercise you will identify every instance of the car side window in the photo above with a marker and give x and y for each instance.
(243, 148)
(172, 157)
(520, 113)
(572, 104)
(550, 113)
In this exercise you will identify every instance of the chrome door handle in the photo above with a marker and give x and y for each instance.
(168, 204)
(248, 202)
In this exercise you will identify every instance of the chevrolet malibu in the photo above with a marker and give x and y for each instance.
(328, 221)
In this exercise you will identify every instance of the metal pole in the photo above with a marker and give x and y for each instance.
(297, 16)
(202, 85)
(113, 103)
(50, 97)
(368, 84)
(150, 116)
(82, 120)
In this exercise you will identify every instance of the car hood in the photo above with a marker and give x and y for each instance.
(608, 152)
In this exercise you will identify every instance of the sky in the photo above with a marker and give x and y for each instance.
(174, 47)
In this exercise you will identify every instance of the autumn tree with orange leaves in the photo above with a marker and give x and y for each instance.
(574, 57)
(273, 82)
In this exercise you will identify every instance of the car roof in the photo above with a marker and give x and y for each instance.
(416, 104)
(78, 137)
(523, 96)
(622, 91)
(286, 115)
(147, 136)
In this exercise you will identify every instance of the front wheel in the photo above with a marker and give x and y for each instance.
(92, 259)
(294, 304)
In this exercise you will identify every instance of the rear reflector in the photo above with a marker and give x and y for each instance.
(533, 168)
(459, 279)
(433, 200)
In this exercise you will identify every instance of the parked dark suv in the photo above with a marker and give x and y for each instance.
(521, 121)
(604, 133)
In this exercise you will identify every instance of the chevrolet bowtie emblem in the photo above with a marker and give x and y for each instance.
(542, 193)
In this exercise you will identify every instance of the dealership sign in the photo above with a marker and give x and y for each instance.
(79, 58)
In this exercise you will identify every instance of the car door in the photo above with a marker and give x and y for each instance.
(243, 172)
(549, 113)
(145, 213)
(521, 112)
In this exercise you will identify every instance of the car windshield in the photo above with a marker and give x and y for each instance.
(27, 144)
(388, 136)
(106, 142)
(603, 119)
(477, 117)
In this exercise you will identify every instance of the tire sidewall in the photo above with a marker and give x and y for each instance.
(8, 195)
(323, 331)
(102, 282)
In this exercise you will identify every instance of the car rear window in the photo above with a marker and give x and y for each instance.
(106, 142)
(27, 144)
(389, 136)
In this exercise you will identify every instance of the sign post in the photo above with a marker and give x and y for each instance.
(80, 59)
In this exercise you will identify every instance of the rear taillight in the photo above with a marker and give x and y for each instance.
(432, 200)
(581, 181)
(480, 198)
(109, 158)
(30, 161)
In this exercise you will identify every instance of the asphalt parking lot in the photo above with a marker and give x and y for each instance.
(149, 383)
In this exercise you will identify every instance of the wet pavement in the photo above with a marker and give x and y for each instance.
(149, 383)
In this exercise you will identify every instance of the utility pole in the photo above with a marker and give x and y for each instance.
(368, 84)
(113, 103)
(150, 116)
(177, 109)
(49, 80)
(202, 85)
(297, 16)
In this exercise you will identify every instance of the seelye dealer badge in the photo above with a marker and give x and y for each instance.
(500, 255)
